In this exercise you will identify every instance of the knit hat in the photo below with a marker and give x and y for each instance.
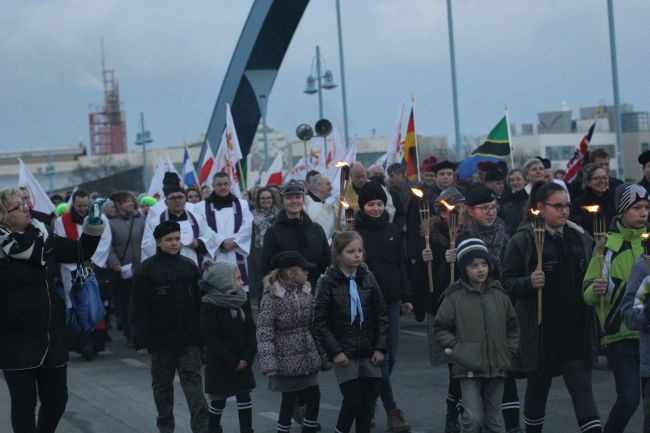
(62, 207)
(172, 184)
(147, 199)
(371, 191)
(451, 195)
(165, 228)
(219, 276)
(480, 194)
(471, 249)
(444, 165)
(627, 195)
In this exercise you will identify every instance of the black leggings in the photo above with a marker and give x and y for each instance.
(50, 385)
(309, 397)
(359, 400)
(577, 377)
(244, 413)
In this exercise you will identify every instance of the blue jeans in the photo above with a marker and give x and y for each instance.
(482, 404)
(623, 359)
(386, 390)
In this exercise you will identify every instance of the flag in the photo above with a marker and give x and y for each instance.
(206, 165)
(392, 154)
(189, 175)
(156, 184)
(169, 165)
(495, 148)
(273, 176)
(578, 158)
(298, 172)
(410, 150)
(38, 199)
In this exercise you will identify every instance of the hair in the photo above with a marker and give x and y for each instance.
(80, 193)
(314, 181)
(528, 164)
(56, 197)
(259, 193)
(539, 193)
(516, 170)
(560, 171)
(5, 196)
(220, 174)
(278, 275)
(598, 153)
(589, 171)
(193, 188)
(340, 240)
(395, 168)
(121, 196)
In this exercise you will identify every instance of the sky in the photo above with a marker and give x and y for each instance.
(170, 58)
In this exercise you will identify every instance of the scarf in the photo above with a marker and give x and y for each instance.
(218, 287)
(262, 220)
(355, 302)
(26, 245)
(221, 202)
(495, 238)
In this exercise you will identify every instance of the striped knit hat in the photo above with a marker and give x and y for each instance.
(471, 249)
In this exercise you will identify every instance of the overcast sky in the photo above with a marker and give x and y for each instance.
(171, 56)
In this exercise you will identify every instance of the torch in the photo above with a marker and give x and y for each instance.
(425, 220)
(599, 236)
(349, 216)
(539, 229)
(646, 247)
(453, 232)
(344, 182)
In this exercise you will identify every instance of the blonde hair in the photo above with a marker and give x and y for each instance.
(278, 275)
(340, 240)
(5, 196)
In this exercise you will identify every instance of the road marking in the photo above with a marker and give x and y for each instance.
(328, 406)
(133, 362)
(414, 333)
(270, 415)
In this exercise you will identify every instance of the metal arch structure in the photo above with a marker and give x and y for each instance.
(263, 42)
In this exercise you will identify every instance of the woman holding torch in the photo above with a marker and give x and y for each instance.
(565, 340)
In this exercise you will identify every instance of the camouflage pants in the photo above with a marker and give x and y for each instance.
(164, 364)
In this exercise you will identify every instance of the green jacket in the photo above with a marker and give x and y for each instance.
(622, 248)
(480, 328)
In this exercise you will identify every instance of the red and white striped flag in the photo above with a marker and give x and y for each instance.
(578, 158)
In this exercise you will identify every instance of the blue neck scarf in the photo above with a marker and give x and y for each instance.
(355, 302)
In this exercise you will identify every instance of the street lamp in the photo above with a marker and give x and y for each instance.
(141, 139)
(316, 83)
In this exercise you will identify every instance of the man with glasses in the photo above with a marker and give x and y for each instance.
(197, 238)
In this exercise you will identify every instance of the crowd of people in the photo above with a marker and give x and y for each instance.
(202, 276)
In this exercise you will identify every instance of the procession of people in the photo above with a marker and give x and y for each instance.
(517, 276)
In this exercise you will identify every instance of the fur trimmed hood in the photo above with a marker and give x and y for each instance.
(278, 290)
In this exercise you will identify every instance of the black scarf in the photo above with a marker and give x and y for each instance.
(313, 197)
(221, 202)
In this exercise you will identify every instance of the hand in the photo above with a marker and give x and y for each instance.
(450, 255)
(141, 352)
(600, 286)
(194, 244)
(407, 308)
(427, 255)
(242, 365)
(117, 268)
(271, 373)
(228, 244)
(377, 357)
(537, 279)
(341, 360)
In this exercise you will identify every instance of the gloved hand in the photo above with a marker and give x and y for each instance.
(95, 212)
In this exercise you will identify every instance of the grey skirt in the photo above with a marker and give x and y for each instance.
(292, 383)
(355, 369)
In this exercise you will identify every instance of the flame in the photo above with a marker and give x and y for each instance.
(593, 209)
(535, 212)
(447, 205)
(645, 236)
(341, 164)
(417, 192)
(345, 204)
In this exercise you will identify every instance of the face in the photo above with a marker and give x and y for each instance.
(298, 275)
(24, 193)
(535, 173)
(477, 270)
(599, 181)
(603, 163)
(352, 254)
(170, 243)
(636, 217)
(221, 186)
(18, 216)
(517, 181)
(445, 178)
(375, 171)
(358, 175)
(485, 214)
(374, 208)
(496, 185)
(81, 205)
(265, 200)
(555, 209)
(293, 204)
(396, 179)
(548, 175)
(324, 187)
(144, 208)
(126, 207)
(193, 196)
(428, 178)
(646, 171)
(239, 283)
(175, 202)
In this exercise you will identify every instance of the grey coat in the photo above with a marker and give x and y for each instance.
(633, 308)
(124, 250)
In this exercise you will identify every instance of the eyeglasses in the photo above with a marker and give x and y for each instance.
(600, 178)
(22, 206)
(487, 209)
(560, 207)
(266, 198)
(176, 197)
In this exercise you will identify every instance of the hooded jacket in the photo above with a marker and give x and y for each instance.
(480, 328)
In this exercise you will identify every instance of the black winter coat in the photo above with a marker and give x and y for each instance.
(32, 314)
(167, 301)
(585, 219)
(297, 234)
(333, 326)
(385, 256)
(228, 340)
(513, 211)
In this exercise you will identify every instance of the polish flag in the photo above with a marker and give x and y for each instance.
(206, 164)
(273, 176)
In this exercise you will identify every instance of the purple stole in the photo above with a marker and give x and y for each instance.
(195, 229)
(212, 222)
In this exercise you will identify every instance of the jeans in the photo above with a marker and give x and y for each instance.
(482, 404)
(623, 359)
(51, 387)
(386, 390)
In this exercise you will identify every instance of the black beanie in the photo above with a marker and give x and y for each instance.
(165, 228)
(371, 191)
(171, 184)
(479, 194)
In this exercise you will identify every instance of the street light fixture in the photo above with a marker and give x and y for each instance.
(141, 139)
(316, 83)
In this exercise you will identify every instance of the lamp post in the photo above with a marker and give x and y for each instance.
(141, 139)
(316, 84)
(454, 90)
(343, 94)
(617, 105)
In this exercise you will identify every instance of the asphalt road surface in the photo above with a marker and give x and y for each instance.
(112, 394)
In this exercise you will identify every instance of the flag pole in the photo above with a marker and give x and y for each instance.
(242, 176)
(512, 153)
(415, 136)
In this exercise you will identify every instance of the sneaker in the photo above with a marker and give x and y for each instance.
(396, 422)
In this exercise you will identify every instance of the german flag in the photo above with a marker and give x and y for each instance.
(410, 150)
(497, 143)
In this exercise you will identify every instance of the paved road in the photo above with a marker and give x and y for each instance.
(112, 394)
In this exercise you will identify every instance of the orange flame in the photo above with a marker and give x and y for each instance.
(593, 209)
(645, 236)
(417, 192)
(535, 212)
(447, 205)
(345, 204)
(341, 164)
